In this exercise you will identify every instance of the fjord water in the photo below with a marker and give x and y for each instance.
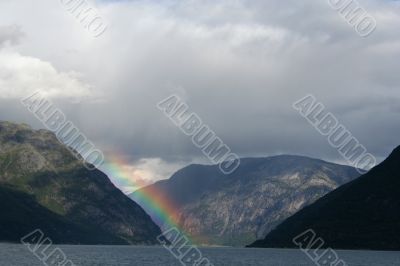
(18, 255)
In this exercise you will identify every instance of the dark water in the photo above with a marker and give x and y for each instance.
(158, 256)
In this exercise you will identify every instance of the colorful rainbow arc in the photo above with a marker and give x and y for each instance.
(153, 201)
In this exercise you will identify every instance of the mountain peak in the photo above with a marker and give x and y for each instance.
(39, 172)
(395, 153)
(6, 125)
(238, 208)
(363, 214)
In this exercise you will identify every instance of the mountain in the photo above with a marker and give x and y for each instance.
(363, 214)
(43, 186)
(236, 209)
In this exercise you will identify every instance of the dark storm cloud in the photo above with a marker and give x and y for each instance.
(238, 64)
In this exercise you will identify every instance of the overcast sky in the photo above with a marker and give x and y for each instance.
(239, 64)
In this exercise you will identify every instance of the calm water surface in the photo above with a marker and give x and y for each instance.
(158, 256)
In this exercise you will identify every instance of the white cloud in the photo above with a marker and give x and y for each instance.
(131, 176)
(23, 75)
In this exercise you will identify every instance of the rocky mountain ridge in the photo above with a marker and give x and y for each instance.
(236, 209)
(363, 214)
(53, 191)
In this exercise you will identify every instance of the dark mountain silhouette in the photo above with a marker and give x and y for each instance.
(364, 214)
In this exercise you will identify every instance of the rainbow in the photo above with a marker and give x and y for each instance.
(162, 210)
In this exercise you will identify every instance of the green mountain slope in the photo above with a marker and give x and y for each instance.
(54, 192)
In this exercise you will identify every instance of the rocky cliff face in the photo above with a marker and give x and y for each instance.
(363, 214)
(239, 208)
(77, 205)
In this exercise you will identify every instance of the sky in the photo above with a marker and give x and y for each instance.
(238, 64)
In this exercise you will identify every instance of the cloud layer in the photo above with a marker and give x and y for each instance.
(21, 76)
(238, 64)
